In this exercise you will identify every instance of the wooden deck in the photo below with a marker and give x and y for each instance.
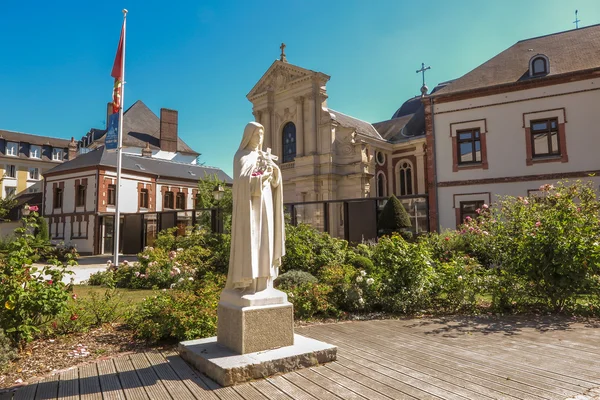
(455, 358)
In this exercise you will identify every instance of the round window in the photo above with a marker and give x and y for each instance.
(380, 158)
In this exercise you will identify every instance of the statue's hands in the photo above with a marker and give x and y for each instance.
(267, 175)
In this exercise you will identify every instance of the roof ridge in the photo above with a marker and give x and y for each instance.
(33, 134)
(169, 161)
(348, 115)
(558, 33)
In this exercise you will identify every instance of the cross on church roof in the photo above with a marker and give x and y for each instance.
(422, 71)
(577, 20)
(282, 57)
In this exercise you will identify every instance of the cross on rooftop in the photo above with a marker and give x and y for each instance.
(422, 71)
(282, 57)
(577, 20)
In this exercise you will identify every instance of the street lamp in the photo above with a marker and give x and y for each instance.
(218, 193)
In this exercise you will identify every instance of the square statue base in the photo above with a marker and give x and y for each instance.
(255, 328)
(227, 367)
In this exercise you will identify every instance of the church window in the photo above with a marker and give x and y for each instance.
(289, 142)
(539, 65)
(381, 181)
(380, 157)
(469, 146)
(405, 178)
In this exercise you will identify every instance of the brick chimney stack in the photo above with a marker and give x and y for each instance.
(72, 149)
(168, 130)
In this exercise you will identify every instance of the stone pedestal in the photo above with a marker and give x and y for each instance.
(255, 339)
(251, 329)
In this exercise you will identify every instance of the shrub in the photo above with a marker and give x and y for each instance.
(405, 273)
(7, 351)
(179, 314)
(458, 282)
(295, 278)
(311, 299)
(362, 263)
(102, 278)
(41, 233)
(309, 250)
(393, 217)
(30, 296)
(548, 244)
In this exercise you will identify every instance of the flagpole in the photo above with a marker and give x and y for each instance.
(117, 221)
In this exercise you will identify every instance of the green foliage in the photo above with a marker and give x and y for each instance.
(310, 299)
(102, 278)
(30, 296)
(405, 272)
(309, 250)
(7, 351)
(179, 314)
(548, 244)
(458, 283)
(294, 278)
(393, 217)
(41, 232)
(94, 311)
(206, 200)
(362, 263)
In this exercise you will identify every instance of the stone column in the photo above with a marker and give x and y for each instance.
(390, 178)
(311, 137)
(299, 126)
(268, 142)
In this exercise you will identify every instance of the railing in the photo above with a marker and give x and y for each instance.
(288, 165)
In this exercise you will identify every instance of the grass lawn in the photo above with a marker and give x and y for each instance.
(129, 296)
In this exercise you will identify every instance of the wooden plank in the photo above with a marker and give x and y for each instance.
(47, 388)
(546, 380)
(268, 390)
(68, 386)
(461, 374)
(189, 377)
(130, 382)
(248, 392)
(153, 386)
(329, 385)
(26, 392)
(513, 359)
(375, 381)
(306, 385)
(109, 381)
(547, 390)
(350, 384)
(89, 383)
(287, 387)
(223, 393)
(168, 377)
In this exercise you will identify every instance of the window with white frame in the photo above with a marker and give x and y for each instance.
(35, 151)
(57, 154)
(10, 191)
(12, 149)
(34, 174)
(11, 171)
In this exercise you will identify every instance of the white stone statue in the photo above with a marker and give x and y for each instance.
(257, 232)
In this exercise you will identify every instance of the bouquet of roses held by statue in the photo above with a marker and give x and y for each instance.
(264, 162)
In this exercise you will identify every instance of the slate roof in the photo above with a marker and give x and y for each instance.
(11, 136)
(360, 126)
(570, 51)
(404, 128)
(142, 126)
(138, 164)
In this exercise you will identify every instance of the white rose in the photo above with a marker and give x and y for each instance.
(359, 279)
(370, 281)
(363, 272)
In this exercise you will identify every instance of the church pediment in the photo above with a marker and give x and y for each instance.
(282, 75)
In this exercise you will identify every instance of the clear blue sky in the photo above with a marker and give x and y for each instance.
(202, 57)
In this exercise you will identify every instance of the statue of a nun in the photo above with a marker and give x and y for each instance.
(257, 232)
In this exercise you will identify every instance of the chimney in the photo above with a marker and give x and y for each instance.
(72, 149)
(168, 130)
(109, 111)
(146, 151)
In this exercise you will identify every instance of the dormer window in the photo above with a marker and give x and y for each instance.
(539, 65)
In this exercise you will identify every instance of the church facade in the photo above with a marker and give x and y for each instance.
(326, 155)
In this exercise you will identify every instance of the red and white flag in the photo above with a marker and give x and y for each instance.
(117, 73)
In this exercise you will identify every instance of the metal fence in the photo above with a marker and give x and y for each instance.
(356, 220)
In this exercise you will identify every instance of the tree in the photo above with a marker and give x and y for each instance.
(393, 217)
(206, 200)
